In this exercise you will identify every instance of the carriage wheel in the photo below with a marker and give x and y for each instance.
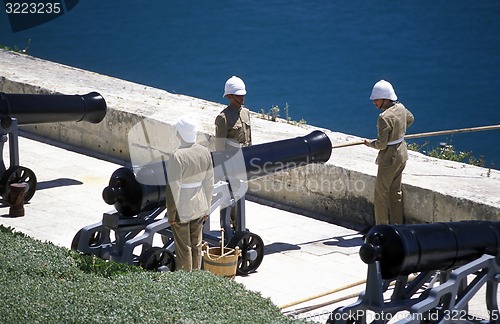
(252, 251)
(156, 257)
(18, 174)
(95, 240)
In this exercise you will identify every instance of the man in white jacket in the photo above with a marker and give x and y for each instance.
(189, 193)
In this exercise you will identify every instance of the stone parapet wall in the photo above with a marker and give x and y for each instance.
(339, 191)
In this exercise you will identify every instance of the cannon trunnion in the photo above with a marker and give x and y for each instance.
(28, 109)
(139, 197)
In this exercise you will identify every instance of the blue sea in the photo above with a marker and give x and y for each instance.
(319, 57)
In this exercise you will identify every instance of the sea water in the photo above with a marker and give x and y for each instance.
(321, 58)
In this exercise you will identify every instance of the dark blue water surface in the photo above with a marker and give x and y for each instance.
(319, 57)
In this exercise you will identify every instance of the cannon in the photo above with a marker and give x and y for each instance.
(138, 195)
(26, 109)
(430, 266)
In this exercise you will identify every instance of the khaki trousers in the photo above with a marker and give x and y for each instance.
(389, 195)
(188, 241)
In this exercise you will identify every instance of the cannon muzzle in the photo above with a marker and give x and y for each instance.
(50, 108)
(405, 249)
(143, 189)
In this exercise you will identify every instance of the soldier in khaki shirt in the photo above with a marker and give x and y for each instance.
(232, 125)
(391, 126)
(189, 194)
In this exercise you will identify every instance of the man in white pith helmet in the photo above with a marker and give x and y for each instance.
(190, 177)
(232, 125)
(391, 128)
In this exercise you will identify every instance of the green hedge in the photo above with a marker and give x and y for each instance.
(44, 283)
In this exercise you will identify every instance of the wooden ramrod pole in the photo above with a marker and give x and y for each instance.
(429, 134)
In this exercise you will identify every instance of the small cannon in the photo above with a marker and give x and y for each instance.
(139, 197)
(25, 109)
(429, 265)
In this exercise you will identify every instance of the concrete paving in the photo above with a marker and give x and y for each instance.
(303, 258)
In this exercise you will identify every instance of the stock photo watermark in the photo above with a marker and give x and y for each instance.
(151, 143)
(368, 316)
(27, 14)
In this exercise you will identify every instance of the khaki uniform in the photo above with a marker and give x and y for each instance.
(232, 129)
(190, 184)
(391, 125)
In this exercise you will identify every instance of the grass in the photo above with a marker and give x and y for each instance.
(44, 283)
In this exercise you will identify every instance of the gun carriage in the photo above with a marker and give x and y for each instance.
(139, 198)
(436, 269)
(30, 109)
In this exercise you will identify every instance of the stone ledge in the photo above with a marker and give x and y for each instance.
(340, 191)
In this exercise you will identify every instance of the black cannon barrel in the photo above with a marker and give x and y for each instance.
(264, 159)
(143, 189)
(406, 249)
(129, 196)
(51, 108)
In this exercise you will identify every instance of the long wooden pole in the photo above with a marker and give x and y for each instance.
(327, 303)
(301, 301)
(428, 134)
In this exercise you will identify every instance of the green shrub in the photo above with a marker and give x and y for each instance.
(274, 113)
(43, 283)
(447, 152)
(100, 267)
(16, 48)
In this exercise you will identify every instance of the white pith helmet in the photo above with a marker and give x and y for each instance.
(236, 86)
(186, 126)
(383, 90)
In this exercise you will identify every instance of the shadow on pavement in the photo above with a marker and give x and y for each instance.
(345, 241)
(278, 247)
(61, 182)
